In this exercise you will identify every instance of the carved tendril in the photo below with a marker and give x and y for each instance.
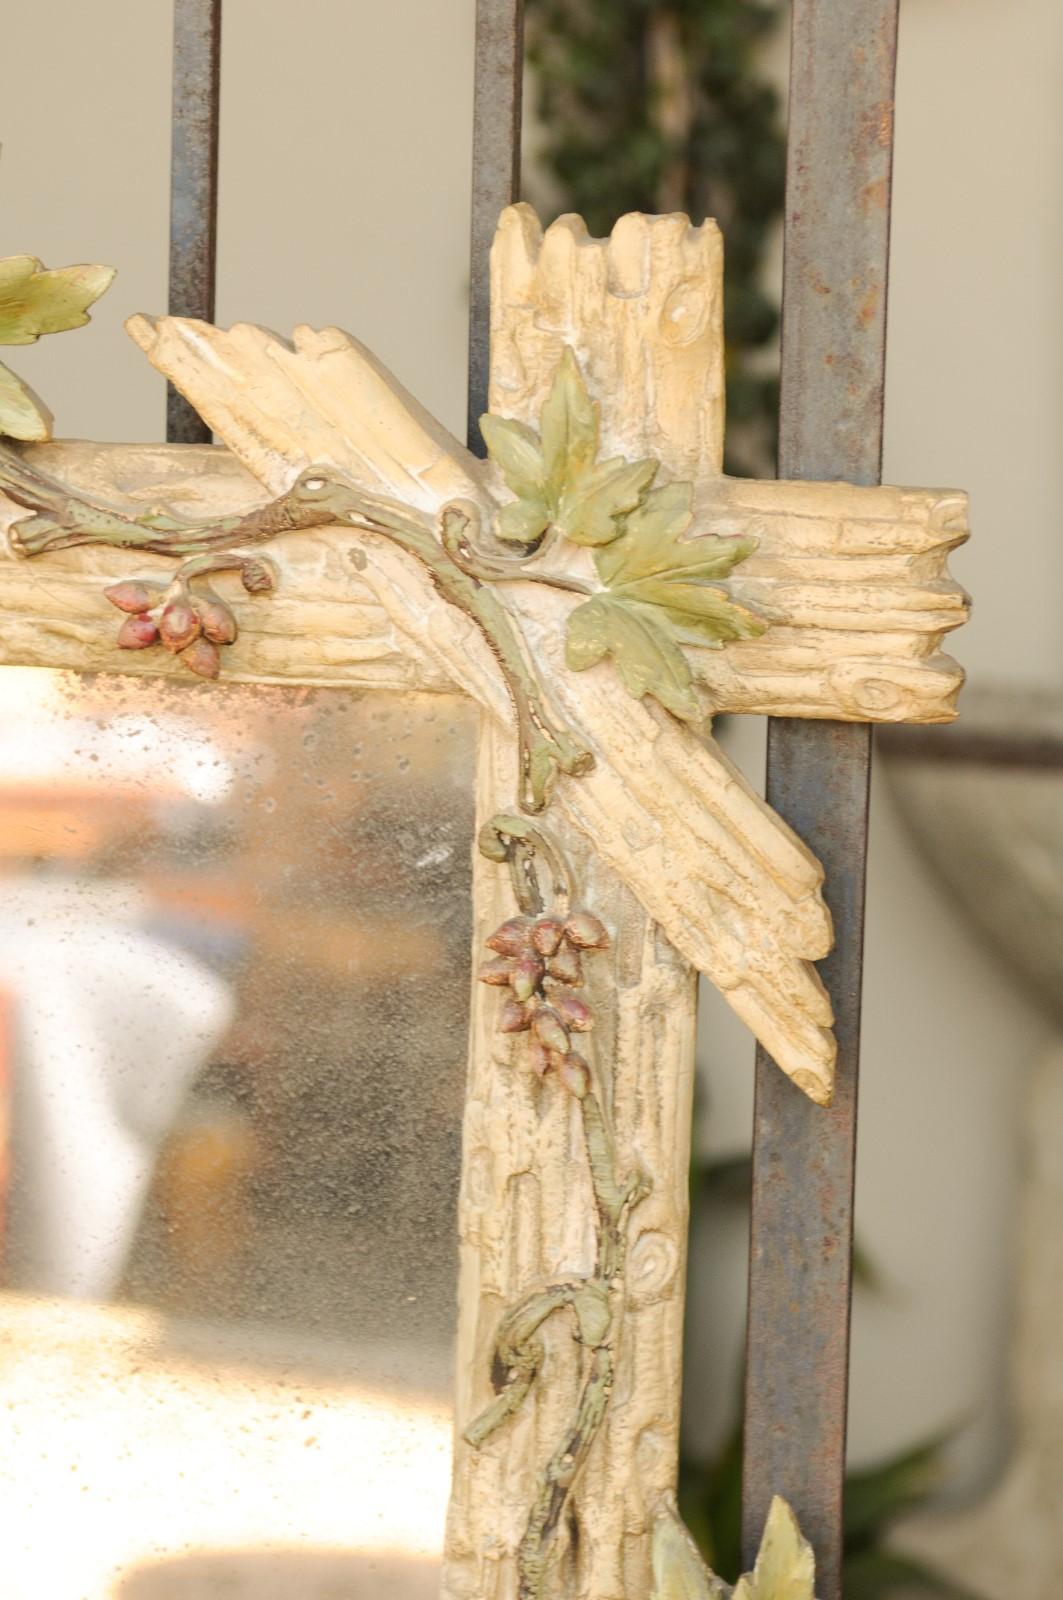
(61, 520)
(499, 564)
(539, 958)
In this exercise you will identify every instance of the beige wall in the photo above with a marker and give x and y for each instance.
(344, 186)
(974, 397)
(345, 198)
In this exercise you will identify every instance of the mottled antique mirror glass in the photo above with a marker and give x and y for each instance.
(234, 938)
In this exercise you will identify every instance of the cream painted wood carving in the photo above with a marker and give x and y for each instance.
(599, 588)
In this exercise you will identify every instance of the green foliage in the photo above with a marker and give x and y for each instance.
(710, 1491)
(881, 1575)
(35, 300)
(878, 1495)
(659, 591)
(660, 105)
(710, 1503)
(875, 1498)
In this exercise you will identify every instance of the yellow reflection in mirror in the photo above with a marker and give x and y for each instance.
(131, 1445)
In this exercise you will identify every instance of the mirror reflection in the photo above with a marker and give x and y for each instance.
(234, 934)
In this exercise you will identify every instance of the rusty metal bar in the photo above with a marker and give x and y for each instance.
(193, 184)
(495, 174)
(975, 747)
(843, 60)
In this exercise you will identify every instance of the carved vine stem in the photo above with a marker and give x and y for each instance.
(541, 953)
(317, 498)
(658, 591)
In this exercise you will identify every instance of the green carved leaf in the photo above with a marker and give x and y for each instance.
(662, 517)
(22, 415)
(785, 1567)
(679, 1573)
(662, 586)
(523, 521)
(659, 597)
(569, 424)
(701, 615)
(589, 506)
(35, 300)
(641, 643)
(653, 563)
(652, 546)
(555, 479)
(516, 452)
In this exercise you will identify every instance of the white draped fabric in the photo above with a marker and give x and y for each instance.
(110, 1027)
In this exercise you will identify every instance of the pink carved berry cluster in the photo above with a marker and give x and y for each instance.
(193, 627)
(540, 961)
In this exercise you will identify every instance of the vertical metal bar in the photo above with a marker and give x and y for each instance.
(495, 175)
(193, 184)
(834, 324)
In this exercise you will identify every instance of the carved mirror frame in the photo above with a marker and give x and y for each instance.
(599, 589)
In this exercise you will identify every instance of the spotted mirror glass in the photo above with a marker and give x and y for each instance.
(234, 934)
